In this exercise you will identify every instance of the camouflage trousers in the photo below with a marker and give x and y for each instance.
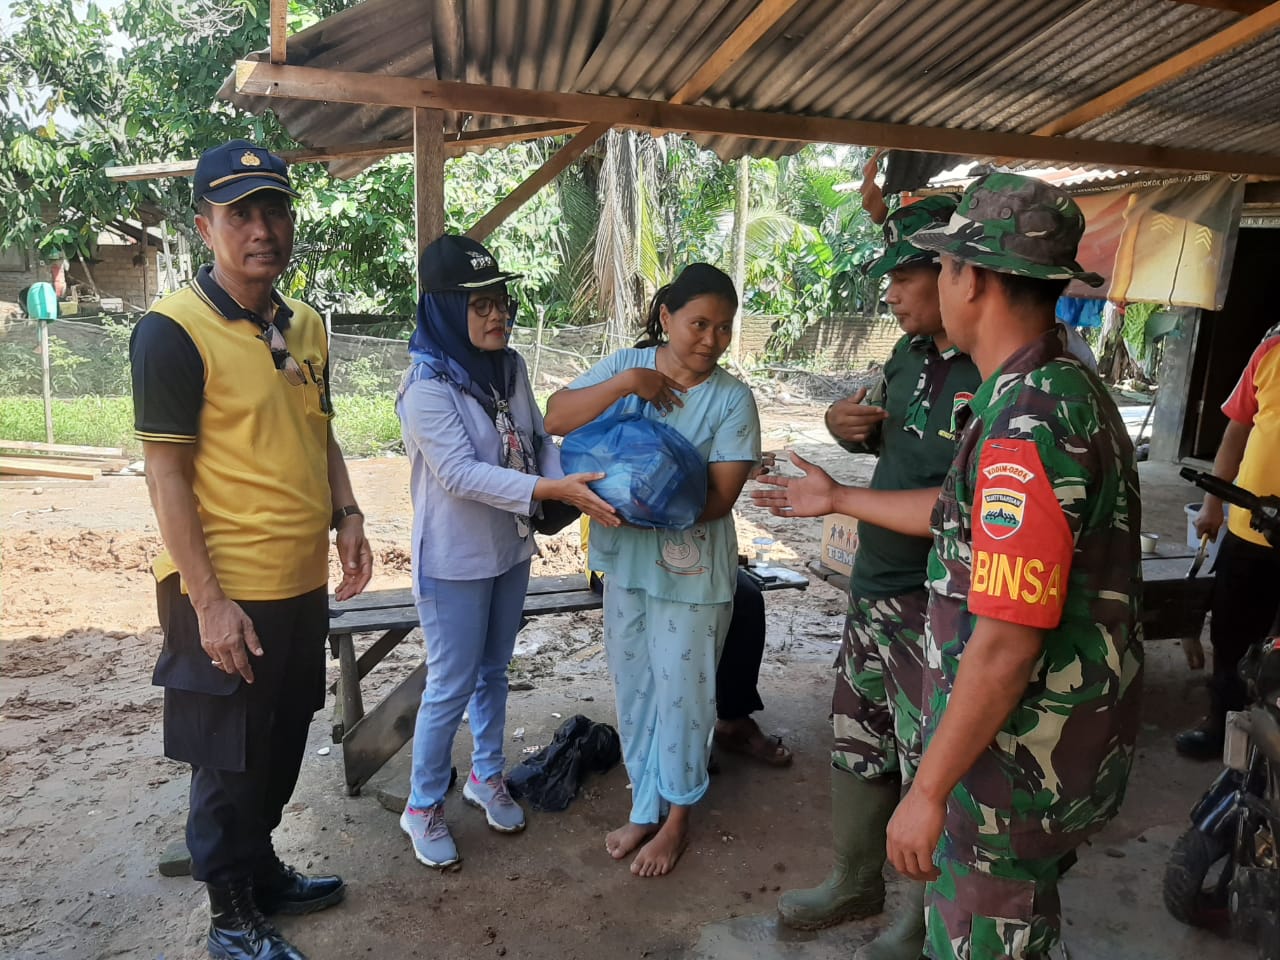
(984, 908)
(875, 710)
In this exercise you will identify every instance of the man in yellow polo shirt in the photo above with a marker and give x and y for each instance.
(231, 402)
(1247, 571)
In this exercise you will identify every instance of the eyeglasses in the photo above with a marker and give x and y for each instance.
(483, 306)
(281, 356)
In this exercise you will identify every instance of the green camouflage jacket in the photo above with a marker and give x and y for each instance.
(1038, 524)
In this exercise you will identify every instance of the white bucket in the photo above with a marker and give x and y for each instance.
(1193, 541)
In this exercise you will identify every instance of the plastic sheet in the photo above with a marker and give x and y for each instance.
(654, 477)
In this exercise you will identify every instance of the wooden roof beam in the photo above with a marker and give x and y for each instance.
(1238, 34)
(304, 83)
(1242, 7)
(751, 29)
(355, 151)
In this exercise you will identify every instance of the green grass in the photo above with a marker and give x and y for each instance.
(365, 425)
(86, 421)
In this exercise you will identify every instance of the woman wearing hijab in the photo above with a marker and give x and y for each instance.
(481, 463)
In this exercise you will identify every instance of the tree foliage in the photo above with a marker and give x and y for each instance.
(136, 81)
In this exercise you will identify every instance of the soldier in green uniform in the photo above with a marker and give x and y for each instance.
(908, 421)
(1033, 649)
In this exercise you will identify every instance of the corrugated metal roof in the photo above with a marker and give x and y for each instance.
(999, 65)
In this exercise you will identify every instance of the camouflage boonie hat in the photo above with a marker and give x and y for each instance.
(929, 213)
(1014, 224)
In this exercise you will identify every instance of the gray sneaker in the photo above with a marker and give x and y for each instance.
(432, 843)
(492, 796)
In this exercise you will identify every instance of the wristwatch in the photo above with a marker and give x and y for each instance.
(342, 513)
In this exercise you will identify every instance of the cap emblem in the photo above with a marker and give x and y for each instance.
(250, 159)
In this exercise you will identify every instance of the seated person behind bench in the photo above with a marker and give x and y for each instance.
(481, 462)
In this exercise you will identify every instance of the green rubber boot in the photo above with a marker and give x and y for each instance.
(860, 811)
(904, 939)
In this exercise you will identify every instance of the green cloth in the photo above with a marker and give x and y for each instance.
(915, 444)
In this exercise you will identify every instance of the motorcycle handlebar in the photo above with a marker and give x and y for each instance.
(1236, 496)
(1264, 512)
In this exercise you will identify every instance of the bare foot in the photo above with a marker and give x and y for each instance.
(657, 857)
(622, 841)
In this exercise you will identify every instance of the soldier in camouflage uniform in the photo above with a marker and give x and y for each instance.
(1033, 646)
(908, 421)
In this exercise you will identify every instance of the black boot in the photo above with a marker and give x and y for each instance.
(279, 888)
(239, 931)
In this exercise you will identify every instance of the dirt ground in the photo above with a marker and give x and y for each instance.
(89, 802)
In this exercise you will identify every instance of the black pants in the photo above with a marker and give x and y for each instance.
(738, 672)
(1246, 596)
(246, 746)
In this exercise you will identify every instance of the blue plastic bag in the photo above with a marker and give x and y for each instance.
(654, 477)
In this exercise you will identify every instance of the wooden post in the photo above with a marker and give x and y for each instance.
(537, 346)
(43, 327)
(279, 29)
(428, 175)
(740, 204)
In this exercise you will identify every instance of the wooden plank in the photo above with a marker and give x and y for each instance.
(304, 83)
(1238, 34)
(375, 654)
(32, 468)
(1232, 6)
(279, 30)
(355, 151)
(65, 449)
(428, 176)
(561, 602)
(374, 740)
(824, 573)
(349, 683)
(403, 596)
(112, 465)
(558, 162)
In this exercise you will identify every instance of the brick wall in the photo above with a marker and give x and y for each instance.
(852, 341)
(118, 273)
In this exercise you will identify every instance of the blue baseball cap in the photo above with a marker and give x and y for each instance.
(237, 168)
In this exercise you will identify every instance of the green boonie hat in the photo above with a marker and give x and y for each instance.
(924, 214)
(1014, 224)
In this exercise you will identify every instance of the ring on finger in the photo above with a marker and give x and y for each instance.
(216, 663)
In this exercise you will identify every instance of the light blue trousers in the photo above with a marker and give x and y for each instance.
(662, 657)
(469, 627)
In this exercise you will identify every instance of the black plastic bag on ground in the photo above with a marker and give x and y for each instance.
(550, 778)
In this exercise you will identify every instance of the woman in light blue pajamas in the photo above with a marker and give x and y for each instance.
(480, 464)
(668, 594)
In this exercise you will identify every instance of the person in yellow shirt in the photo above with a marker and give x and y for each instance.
(1247, 571)
(231, 403)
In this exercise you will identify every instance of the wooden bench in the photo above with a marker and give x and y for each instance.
(370, 739)
(1173, 607)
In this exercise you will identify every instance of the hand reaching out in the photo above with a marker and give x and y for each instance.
(807, 496)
